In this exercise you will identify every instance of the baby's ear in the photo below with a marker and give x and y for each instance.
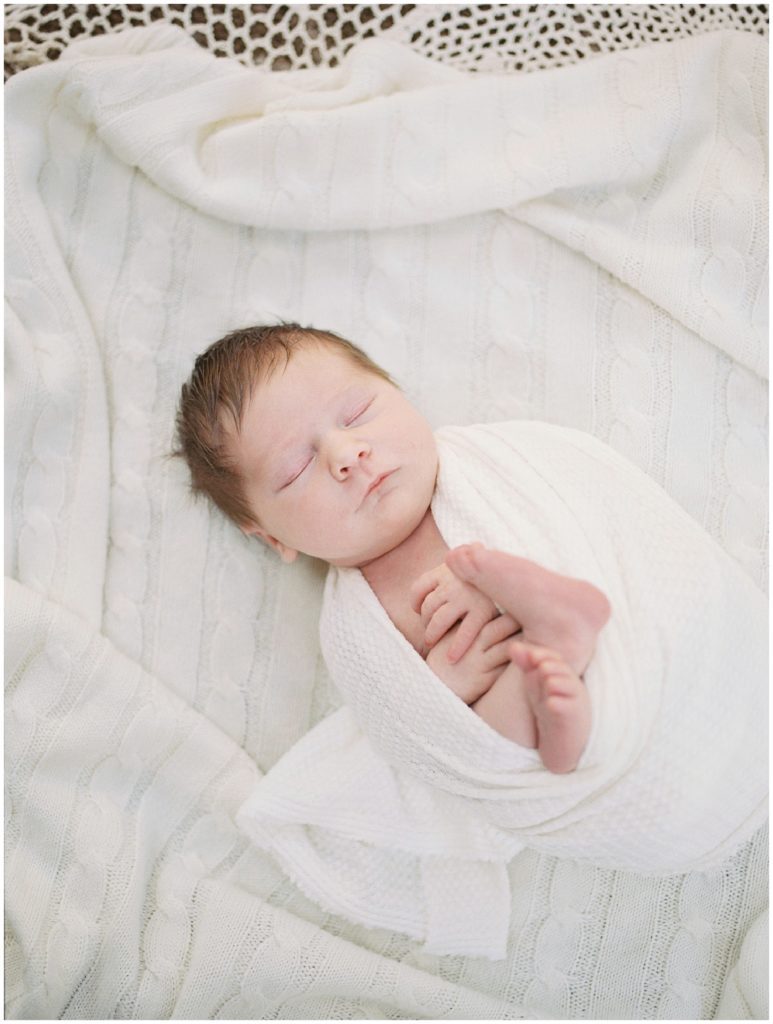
(285, 553)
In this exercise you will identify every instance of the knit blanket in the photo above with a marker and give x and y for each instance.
(674, 775)
(581, 246)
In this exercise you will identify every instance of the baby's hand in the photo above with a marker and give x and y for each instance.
(442, 600)
(481, 666)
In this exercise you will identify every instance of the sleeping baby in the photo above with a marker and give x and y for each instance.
(469, 673)
(305, 443)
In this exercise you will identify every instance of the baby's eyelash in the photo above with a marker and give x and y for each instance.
(295, 476)
(360, 411)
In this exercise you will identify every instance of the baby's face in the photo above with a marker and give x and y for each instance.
(337, 463)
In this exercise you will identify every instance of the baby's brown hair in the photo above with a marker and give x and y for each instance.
(213, 400)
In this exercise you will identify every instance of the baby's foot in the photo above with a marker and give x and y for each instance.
(555, 611)
(559, 702)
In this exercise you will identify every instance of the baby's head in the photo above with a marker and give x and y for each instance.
(300, 439)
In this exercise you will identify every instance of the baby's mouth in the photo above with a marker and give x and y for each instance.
(374, 485)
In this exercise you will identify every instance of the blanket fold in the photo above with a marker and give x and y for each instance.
(673, 777)
(599, 275)
(260, 150)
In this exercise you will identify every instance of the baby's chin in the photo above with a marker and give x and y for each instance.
(387, 541)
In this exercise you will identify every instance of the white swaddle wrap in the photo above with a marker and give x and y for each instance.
(402, 808)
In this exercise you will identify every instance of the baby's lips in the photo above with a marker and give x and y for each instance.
(374, 483)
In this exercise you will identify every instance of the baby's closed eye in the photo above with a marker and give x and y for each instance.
(361, 409)
(295, 473)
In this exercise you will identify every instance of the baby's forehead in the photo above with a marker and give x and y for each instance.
(292, 379)
(322, 363)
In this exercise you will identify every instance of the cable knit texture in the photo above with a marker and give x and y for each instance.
(583, 246)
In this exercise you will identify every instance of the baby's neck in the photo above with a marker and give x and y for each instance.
(421, 550)
(391, 575)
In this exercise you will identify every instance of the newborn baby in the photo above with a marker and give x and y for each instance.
(304, 442)
(307, 445)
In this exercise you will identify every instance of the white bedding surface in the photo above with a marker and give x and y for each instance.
(506, 247)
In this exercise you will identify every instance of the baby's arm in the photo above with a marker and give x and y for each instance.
(443, 600)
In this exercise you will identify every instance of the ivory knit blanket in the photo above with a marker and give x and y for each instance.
(582, 246)
(674, 775)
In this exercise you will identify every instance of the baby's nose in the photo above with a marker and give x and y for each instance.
(345, 452)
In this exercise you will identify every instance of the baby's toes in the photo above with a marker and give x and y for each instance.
(550, 666)
(558, 680)
(529, 657)
(557, 706)
(522, 655)
(557, 685)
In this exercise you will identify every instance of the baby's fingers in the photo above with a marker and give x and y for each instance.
(422, 588)
(440, 623)
(468, 631)
(502, 627)
(431, 605)
(498, 656)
